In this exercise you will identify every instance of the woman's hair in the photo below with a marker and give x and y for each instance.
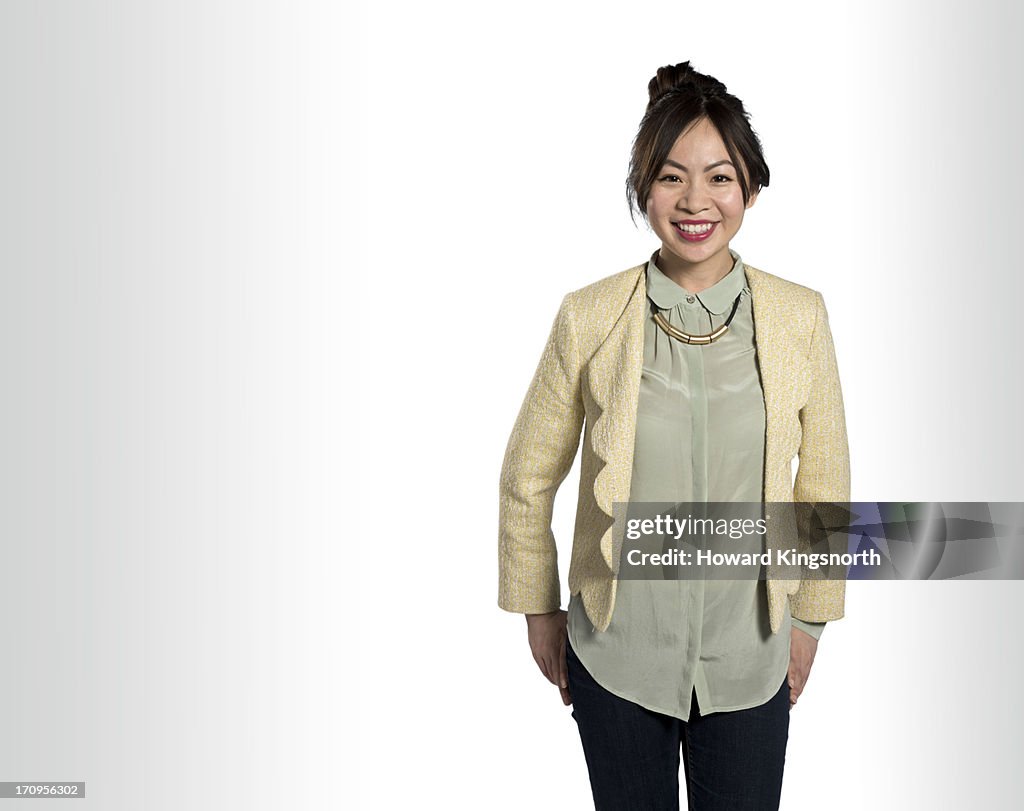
(680, 97)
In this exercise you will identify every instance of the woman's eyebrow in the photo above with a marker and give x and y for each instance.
(707, 168)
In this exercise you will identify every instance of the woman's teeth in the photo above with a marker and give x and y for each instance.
(696, 229)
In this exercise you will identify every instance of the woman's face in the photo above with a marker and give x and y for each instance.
(696, 204)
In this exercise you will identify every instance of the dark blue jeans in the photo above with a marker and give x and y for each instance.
(732, 760)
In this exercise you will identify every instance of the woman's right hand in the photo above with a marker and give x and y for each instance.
(547, 642)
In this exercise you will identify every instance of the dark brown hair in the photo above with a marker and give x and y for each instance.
(680, 97)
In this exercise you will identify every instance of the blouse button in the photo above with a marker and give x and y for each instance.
(689, 299)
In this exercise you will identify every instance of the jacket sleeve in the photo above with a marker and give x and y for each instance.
(823, 475)
(539, 455)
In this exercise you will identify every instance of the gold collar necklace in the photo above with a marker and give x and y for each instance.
(685, 337)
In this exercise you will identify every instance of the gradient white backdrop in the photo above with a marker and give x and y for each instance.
(275, 279)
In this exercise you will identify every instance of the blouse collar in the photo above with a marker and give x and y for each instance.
(718, 298)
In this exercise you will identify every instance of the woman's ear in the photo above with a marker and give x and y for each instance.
(752, 199)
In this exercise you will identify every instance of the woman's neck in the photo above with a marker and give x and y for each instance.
(695, 278)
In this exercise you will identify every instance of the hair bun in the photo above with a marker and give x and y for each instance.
(683, 78)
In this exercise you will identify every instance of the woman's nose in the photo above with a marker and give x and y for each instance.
(693, 199)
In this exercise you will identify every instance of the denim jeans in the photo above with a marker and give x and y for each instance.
(732, 760)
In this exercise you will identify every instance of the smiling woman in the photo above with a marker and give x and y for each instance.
(697, 166)
(694, 377)
(696, 212)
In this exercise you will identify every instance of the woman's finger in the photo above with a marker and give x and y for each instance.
(542, 663)
(563, 670)
(554, 675)
(796, 682)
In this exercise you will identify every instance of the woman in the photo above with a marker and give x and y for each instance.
(694, 378)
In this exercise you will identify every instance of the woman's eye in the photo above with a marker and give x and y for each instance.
(721, 179)
(669, 178)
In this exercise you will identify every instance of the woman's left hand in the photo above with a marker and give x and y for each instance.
(802, 647)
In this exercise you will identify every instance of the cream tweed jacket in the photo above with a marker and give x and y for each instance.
(589, 378)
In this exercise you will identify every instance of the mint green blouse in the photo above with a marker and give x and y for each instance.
(699, 438)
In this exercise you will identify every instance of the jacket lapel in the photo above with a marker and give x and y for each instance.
(613, 380)
(766, 329)
(771, 334)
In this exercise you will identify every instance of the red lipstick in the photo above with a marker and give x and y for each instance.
(695, 237)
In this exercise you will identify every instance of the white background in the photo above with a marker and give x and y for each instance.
(274, 281)
(495, 148)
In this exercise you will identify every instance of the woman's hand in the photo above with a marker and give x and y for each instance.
(547, 641)
(802, 647)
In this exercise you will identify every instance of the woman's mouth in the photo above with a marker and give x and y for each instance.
(695, 233)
